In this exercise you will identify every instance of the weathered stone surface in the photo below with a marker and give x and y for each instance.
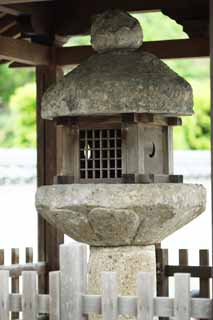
(115, 29)
(120, 214)
(126, 261)
(115, 224)
(119, 82)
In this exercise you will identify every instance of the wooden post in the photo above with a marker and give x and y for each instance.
(4, 295)
(73, 267)
(204, 283)
(183, 257)
(48, 237)
(109, 295)
(15, 280)
(182, 305)
(29, 255)
(29, 298)
(145, 296)
(162, 259)
(54, 291)
(1, 256)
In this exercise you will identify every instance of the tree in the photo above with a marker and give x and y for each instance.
(20, 130)
(10, 79)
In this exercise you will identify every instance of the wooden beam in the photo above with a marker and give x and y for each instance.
(38, 55)
(24, 51)
(11, 11)
(178, 49)
(128, 5)
(95, 7)
(16, 65)
(6, 23)
(65, 15)
(72, 55)
(3, 61)
(17, 269)
(2, 2)
(204, 272)
(168, 49)
(74, 18)
(13, 32)
(33, 8)
(151, 5)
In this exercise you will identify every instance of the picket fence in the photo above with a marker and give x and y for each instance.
(68, 298)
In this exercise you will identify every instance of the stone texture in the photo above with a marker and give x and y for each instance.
(115, 29)
(126, 261)
(120, 214)
(120, 79)
(119, 82)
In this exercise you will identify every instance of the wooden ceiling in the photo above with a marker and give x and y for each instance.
(68, 17)
(25, 21)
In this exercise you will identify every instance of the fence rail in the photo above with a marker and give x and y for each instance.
(204, 272)
(14, 270)
(68, 298)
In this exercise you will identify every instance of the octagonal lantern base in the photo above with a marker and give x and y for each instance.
(120, 214)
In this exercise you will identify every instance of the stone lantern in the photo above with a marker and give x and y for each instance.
(115, 188)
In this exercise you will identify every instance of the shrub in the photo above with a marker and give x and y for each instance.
(195, 133)
(22, 128)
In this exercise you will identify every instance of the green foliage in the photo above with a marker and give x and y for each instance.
(196, 129)
(191, 69)
(195, 132)
(6, 131)
(10, 79)
(20, 130)
(157, 26)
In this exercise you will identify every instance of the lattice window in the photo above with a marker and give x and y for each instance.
(100, 154)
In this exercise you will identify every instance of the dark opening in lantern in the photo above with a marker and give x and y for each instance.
(115, 111)
(133, 148)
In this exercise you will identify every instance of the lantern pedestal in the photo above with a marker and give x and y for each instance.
(127, 261)
(117, 215)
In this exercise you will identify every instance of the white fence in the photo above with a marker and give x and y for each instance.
(68, 298)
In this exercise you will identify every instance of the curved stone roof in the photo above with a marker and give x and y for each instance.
(119, 80)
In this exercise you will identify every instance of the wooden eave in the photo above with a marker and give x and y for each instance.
(40, 55)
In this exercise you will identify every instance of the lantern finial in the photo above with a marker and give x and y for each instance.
(115, 29)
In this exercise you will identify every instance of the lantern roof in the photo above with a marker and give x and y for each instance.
(120, 78)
